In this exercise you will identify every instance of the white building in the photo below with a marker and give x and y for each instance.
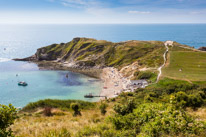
(134, 84)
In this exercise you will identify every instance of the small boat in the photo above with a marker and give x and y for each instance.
(22, 83)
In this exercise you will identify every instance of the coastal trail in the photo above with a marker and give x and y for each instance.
(165, 59)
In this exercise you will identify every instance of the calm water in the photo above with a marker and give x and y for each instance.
(23, 40)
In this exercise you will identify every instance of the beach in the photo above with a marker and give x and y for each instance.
(113, 82)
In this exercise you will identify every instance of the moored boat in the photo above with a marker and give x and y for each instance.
(22, 83)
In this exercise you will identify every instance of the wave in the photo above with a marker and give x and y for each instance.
(4, 59)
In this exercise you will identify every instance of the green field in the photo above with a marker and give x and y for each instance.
(186, 65)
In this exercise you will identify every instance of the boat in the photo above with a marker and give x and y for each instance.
(89, 95)
(22, 83)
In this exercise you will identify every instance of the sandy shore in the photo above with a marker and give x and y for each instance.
(113, 82)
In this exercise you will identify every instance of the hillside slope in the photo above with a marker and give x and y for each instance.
(129, 56)
(90, 52)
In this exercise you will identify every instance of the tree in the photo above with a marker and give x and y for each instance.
(75, 108)
(7, 116)
(102, 108)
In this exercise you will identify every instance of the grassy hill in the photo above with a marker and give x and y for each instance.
(90, 52)
(185, 64)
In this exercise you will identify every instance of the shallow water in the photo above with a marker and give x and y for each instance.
(42, 84)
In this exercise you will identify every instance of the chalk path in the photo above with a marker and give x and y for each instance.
(165, 59)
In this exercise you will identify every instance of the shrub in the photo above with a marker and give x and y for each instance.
(202, 94)
(145, 75)
(7, 116)
(47, 111)
(102, 108)
(130, 93)
(193, 100)
(125, 109)
(182, 99)
(112, 99)
(157, 119)
(75, 108)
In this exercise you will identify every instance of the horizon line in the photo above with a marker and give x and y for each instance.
(92, 23)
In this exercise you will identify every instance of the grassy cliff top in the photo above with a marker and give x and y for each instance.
(92, 52)
(185, 63)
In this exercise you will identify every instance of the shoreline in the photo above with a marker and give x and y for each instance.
(113, 82)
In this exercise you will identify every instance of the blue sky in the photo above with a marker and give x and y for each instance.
(102, 11)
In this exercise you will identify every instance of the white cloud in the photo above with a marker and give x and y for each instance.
(138, 12)
(80, 3)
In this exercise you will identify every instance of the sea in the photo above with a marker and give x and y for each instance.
(19, 41)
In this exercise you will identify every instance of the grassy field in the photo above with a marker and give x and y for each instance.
(186, 65)
(62, 123)
(37, 125)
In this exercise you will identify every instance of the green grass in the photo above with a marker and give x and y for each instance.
(192, 64)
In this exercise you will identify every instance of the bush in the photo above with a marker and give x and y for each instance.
(125, 109)
(102, 108)
(75, 108)
(193, 100)
(157, 119)
(47, 111)
(7, 116)
(202, 94)
(130, 93)
(144, 75)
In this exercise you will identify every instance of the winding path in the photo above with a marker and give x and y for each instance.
(165, 59)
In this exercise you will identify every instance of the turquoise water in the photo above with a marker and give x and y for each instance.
(42, 84)
(18, 41)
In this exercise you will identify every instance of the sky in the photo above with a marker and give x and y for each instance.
(102, 11)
